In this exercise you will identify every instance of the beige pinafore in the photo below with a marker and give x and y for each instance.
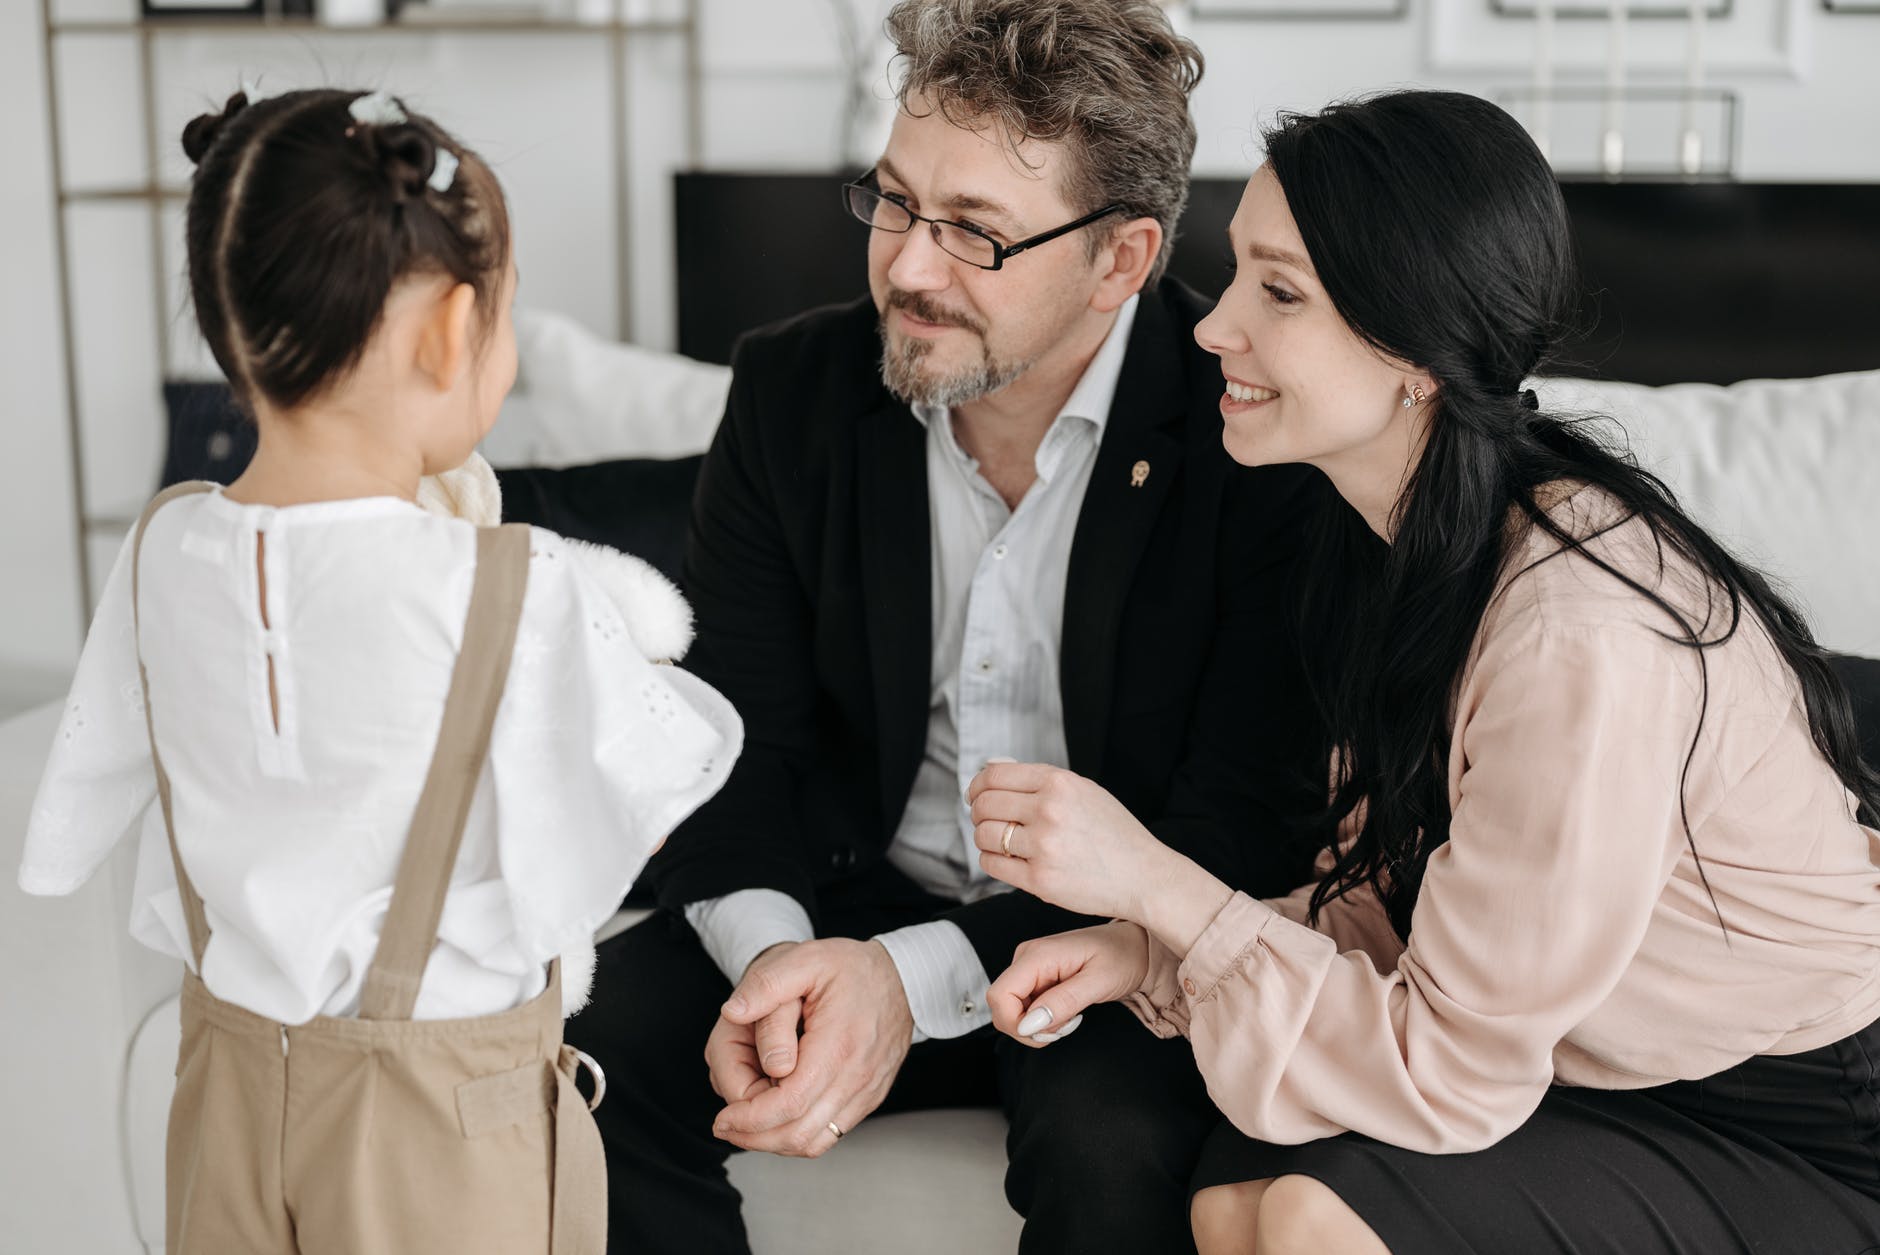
(385, 1134)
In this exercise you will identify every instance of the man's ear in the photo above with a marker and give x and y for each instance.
(444, 336)
(1130, 253)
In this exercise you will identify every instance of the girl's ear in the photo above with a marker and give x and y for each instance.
(444, 338)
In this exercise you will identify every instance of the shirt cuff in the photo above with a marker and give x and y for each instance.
(1175, 989)
(945, 982)
(1158, 1002)
(1222, 950)
(738, 927)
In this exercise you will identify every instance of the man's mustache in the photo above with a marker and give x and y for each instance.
(924, 309)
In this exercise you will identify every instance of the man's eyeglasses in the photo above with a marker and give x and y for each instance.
(885, 211)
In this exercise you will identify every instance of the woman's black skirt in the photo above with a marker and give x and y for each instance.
(1778, 1155)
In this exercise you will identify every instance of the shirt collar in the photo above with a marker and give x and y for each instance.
(1092, 396)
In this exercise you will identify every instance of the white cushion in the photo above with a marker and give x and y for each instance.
(916, 1183)
(580, 398)
(1785, 472)
(1782, 470)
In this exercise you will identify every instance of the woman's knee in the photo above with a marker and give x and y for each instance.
(1300, 1214)
(1224, 1217)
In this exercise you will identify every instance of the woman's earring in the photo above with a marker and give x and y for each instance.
(1406, 401)
(1416, 390)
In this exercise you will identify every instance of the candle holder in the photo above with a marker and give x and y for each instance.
(1599, 9)
(1762, 39)
(1300, 10)
(1665, 133)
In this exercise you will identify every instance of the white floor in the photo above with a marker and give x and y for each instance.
(75, 1149)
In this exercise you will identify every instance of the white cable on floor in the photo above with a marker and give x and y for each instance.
(125, 1166)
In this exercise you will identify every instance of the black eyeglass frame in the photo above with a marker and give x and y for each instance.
(868, 183)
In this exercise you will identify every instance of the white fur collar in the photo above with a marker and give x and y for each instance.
(470, 493)
(577, 978)
(657, 616)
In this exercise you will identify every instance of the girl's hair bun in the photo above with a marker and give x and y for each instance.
(407, 156)
(200, 135)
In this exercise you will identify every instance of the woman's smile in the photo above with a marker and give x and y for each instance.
(1240, 397)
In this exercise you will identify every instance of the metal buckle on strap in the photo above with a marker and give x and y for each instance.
(584, 1059)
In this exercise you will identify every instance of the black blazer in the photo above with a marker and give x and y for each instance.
(808, 569)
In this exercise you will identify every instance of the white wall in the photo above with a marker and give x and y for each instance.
(39, 621)
(774, 98)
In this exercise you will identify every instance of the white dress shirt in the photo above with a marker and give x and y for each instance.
(998, 618)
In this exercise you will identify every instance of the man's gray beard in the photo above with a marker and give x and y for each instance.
(900, 371)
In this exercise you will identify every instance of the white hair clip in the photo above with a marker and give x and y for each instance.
(444, 173)
(377, 109)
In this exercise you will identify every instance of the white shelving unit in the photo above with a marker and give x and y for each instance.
(101, 523)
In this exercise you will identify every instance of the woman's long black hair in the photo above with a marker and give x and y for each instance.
(1438, 231)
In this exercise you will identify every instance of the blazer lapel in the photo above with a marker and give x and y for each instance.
(897, 590)
(1113, 529)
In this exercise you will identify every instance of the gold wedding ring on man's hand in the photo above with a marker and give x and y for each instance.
(835, 1128)
(1005, 839)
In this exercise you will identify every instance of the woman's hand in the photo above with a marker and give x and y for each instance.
(1071, 843)
(1042, 996)
(1062, 838)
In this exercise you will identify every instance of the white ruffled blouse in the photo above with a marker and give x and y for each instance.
(292, 829)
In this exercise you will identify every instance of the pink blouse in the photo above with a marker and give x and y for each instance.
(1563, 933)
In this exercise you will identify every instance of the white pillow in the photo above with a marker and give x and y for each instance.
(580, 398)
(1785, 472)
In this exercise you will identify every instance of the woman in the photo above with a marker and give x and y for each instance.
(1594, 961)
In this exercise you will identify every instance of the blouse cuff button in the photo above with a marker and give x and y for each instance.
(1188, 987)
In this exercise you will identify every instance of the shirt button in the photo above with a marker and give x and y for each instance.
(999, 552)
(967, 1008)
(985, 666)
(1188, 987)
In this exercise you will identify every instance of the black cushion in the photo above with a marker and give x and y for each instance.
(210, 438)
(638, 505)
(1862, 677)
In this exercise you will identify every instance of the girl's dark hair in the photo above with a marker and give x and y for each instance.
(1439, 233)
(302, 218)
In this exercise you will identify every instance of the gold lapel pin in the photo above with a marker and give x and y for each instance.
(1139, 475)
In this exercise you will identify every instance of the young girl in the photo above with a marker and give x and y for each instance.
(384, 765)
(1596, 963)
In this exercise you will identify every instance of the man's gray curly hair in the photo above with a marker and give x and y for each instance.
(1109, 79)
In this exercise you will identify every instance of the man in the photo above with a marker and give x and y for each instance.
(984, 514)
